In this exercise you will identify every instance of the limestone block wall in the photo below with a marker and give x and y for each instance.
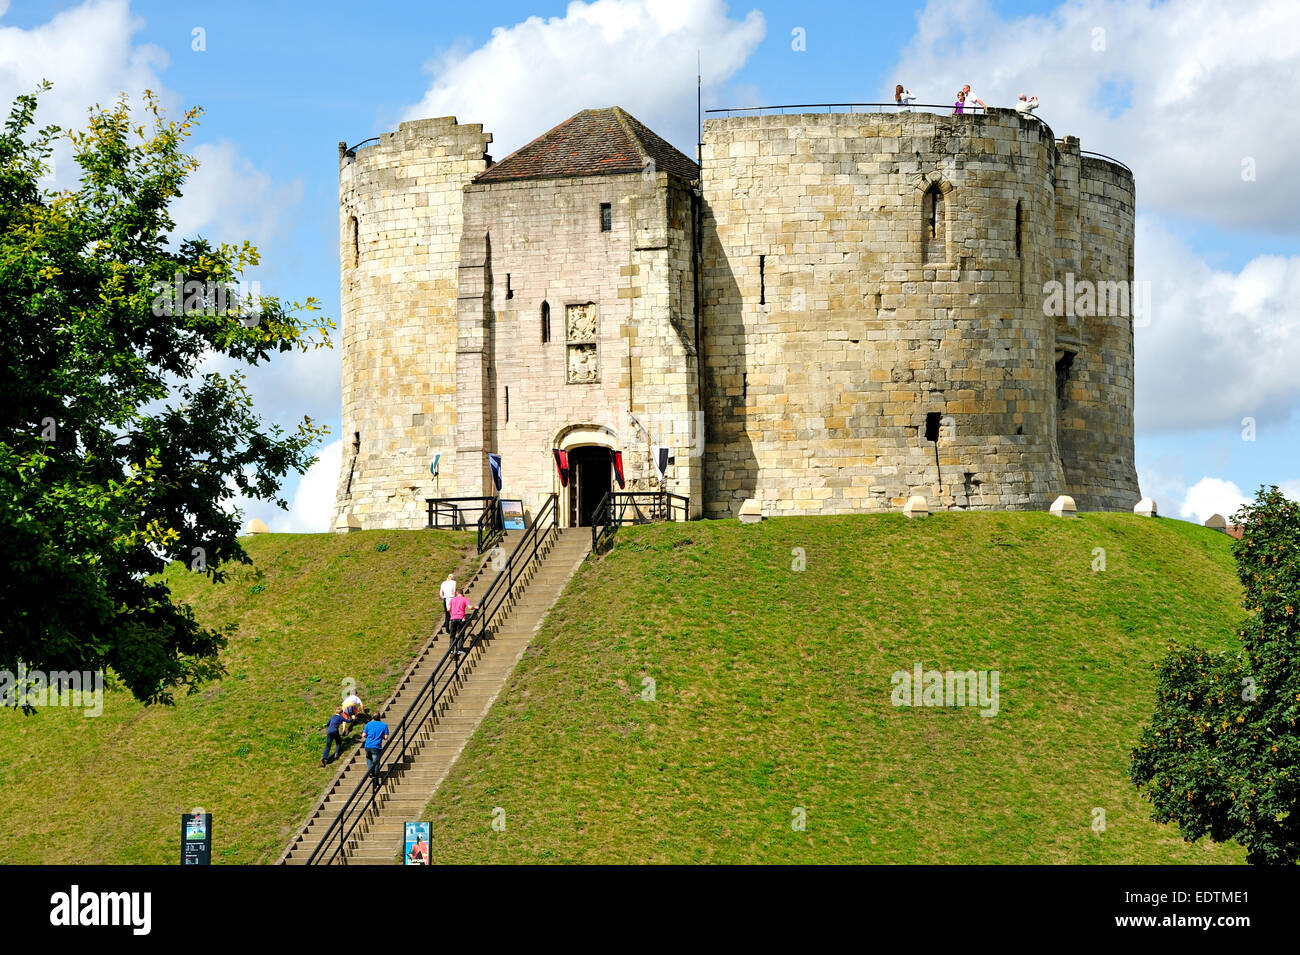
(1095, 335)
(835, 324)
(400, 228)
(620, 319)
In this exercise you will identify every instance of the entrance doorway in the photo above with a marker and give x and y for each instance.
(590, 479)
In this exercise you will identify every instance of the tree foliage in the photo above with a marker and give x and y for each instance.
(1221, 756)
(119, 451)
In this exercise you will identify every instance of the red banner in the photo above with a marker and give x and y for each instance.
(562, 465)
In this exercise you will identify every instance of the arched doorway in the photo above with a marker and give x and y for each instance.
(591, 475)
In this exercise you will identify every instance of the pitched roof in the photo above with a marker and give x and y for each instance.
(594, 142)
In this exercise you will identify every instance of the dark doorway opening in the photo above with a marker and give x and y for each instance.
(590, 479)
(1063, 366)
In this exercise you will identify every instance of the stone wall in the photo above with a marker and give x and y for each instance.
(1095, 333)
(834, 324)
(621, 328)
(399, 265)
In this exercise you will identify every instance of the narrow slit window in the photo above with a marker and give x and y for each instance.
(546, 322)
(507, 404)
(355, 241)
(1063, 367)
(932, 224)
(762, 280)
(932, 419)
(510, 293)
(1020, 224)
(606, 217)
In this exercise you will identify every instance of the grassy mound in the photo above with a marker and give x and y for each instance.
(772, 695)
(312, 610)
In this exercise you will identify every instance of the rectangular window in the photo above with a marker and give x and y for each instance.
(606, 217)
(510, 293)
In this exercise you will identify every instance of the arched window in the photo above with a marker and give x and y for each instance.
(933, 239)
(546, 322)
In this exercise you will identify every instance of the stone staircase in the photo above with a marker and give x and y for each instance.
(409, 784)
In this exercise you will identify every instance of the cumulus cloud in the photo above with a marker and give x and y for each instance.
(312, 509)
(1212, 496)
(1221, 346)
(1185, 92)
(638, 54)
(227, 199)
(88, 54)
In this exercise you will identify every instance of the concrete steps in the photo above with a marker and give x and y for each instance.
(438, 743)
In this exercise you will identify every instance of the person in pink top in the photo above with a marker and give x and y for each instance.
(459, 607)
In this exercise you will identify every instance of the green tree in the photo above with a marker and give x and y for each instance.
(117, 453)
(1221, 756)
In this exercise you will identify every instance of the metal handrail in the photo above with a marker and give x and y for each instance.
(491, 525)
(613, 511)
(445, 675)
(353, 149)
(436, 507)
(851, 106)
(1095, 155)
(533, 542)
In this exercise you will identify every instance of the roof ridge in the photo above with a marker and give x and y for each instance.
(594, 141)
(537, 139)
(623, 116)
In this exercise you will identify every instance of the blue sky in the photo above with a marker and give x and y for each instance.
(1183, 94)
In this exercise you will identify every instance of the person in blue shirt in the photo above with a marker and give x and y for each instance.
(376, 734)
(334, 736)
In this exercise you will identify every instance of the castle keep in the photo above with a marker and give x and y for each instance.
(830, 313)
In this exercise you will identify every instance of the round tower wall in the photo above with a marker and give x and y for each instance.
(1095, 391)
(868, 278)
(400, 204)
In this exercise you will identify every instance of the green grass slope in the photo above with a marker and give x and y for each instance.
(773, 695)
(313, 609)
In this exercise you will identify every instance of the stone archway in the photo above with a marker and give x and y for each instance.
(591, 472)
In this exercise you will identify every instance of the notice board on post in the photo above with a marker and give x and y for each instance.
(196, 838)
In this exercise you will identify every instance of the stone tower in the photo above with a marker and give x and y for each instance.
(829, 314)
(400, 205)
(874, 315)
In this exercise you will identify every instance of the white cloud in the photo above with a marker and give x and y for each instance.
(1221, 346)
(1184, 92)
(312, 510)
(227, 199)
(87, 53)
(1212, 496)
(638, 54)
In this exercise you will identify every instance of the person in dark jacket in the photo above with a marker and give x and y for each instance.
(334, 736)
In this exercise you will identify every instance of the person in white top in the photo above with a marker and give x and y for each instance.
(446, 592)
(352, 708)
(1027, 105)
(904, 98)
(972, 99)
